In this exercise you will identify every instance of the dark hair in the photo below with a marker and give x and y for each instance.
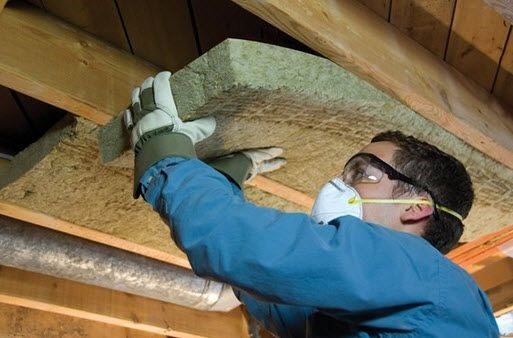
(444, 176)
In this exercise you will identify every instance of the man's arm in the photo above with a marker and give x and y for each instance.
(284, 257)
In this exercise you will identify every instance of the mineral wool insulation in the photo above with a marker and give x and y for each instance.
(261, 96)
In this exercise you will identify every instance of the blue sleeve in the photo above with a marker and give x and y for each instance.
(285, 258)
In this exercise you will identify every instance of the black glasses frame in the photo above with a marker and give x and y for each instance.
(395, 175)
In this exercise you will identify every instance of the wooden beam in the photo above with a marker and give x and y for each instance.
(17, 321)
(494, 273)
(501, 297)
(50, 222)
(65, 297)
(65, 67)
(275, 188)
(481, 248)
(349, 34)
(504, 7)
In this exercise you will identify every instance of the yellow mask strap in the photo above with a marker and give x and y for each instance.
(354, 200)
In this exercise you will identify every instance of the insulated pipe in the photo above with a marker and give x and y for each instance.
(33, 248)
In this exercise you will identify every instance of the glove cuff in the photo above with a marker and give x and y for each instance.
(236, 167)
(154, 148)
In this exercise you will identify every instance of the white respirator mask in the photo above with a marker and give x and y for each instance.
(336, 199)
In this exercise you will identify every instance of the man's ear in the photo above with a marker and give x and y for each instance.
(416, 213)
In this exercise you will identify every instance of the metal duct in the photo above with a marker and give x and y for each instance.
(33, 248)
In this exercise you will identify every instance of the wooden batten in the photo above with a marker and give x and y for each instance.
(78, 300)
(348, 34)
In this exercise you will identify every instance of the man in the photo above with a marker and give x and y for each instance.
(365, 264)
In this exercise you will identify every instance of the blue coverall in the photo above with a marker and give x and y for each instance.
(301, 279)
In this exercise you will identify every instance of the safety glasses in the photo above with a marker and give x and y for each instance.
(368, 168)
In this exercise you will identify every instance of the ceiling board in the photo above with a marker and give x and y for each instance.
(218, 20)
(98, 17)
(503, 87)
(160, 31)
(380, 7)
(427, 22)
(477, 41)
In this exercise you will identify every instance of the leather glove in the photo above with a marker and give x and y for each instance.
(156, 129)
(243, 166)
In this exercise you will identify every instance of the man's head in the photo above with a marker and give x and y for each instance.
(437, 176)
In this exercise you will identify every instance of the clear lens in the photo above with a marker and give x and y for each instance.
(359, 170)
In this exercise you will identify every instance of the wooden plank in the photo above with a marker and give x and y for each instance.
(17, 321)
(501, 296)
(265, 184)
(380, 7)
(504, 7)
(494, 273)
(481, 248)
(98, 17)
(65, 67)
(64, 297)
(218, 20)
(477, 41)
(380, 54)
(426, 21)
(503, 86)
(160, 31)
(50, 222)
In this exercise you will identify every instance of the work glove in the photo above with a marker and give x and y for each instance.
(156, 129)
(243, 166)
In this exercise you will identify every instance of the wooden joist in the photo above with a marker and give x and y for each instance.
(349, 34)
(65, 297)
(61, 65)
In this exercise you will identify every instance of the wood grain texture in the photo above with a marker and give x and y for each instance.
(503, 86)
(477, 41)
(160, 31)
(504, 7)
(97, 17)
(65, 67)
(380, 7)
(218, 20)
(380, 54)
(428, 22)
(78, 300)
(17, 321)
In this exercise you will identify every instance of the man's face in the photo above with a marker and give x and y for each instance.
(388, 215)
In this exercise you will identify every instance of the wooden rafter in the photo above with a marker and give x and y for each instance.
(351, 35)
(65, 297)
(65, 67)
